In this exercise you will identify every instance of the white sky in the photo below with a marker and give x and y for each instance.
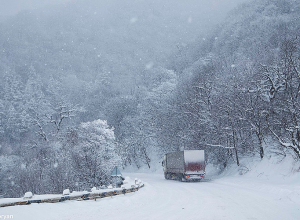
(11, 7)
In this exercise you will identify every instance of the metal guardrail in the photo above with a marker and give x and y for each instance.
(87, 196)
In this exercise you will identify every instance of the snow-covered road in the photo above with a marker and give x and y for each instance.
(229, 198)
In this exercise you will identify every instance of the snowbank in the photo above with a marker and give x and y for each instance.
(272, 169)
(66, 195)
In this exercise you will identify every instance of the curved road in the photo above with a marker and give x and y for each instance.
(222, 199)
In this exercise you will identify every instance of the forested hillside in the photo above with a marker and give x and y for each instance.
(240, 86)
(86, 87)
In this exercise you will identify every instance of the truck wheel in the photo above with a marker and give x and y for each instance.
(167, 176)
(181, 177)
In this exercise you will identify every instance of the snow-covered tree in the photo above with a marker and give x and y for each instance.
(96, 153)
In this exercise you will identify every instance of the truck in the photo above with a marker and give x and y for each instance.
(184, 165)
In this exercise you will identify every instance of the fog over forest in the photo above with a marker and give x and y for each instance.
(88, 85)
